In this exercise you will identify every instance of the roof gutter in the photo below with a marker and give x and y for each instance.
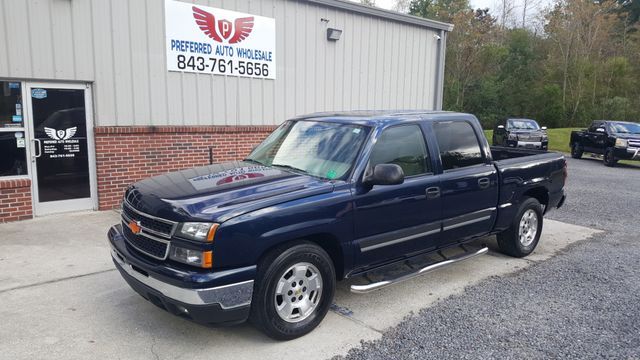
(385, 14)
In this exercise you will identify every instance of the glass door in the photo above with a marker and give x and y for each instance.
(62, 157)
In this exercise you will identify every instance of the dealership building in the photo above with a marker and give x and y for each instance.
(97, 94)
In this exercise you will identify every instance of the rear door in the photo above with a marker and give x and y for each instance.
(469, 182)
(395, 220)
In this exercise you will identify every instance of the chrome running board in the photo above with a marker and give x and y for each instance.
(447, 260)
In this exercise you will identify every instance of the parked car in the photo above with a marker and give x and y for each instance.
(327, 197)
(520, 133)
(614, 140)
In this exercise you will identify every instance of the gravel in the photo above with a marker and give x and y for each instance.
(580, 304)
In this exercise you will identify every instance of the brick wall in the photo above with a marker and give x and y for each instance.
(125, 155)
(15, 200)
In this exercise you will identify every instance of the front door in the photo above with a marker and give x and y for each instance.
(392, 221)
(62, 147)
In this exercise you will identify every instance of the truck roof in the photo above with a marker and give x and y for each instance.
(384, 117)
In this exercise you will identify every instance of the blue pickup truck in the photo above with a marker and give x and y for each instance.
(328, 197)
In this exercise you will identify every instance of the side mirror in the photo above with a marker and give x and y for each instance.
(385, 174)
(544, 128)
(601, 130)
(501, 127)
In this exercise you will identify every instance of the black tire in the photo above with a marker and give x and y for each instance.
(509, 240)
(270, 270)
(609, 158)
(576, 151)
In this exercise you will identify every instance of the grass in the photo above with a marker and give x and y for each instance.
(558, 138)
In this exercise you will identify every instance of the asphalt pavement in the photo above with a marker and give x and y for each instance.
(583, 303)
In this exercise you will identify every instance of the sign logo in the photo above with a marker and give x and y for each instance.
(61, 134)
(39, 94)
(223, 30)
(135, 227)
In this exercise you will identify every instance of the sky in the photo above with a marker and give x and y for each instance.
(491, 4)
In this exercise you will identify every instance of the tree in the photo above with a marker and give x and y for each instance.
(443, 10)
(368, 2)
(401, 6)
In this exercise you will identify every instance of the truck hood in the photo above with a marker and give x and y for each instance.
(627, 136)
(221, 191)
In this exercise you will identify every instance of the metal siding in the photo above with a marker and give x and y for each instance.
(119, 45)
(62, 37)
(137, 22)
(82, 39)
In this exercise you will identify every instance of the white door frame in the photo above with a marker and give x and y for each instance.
(52, 207)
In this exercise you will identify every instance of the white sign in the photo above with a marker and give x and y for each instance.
(203, 39)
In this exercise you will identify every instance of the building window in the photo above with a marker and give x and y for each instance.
(13, 144)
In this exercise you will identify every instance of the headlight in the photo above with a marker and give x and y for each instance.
(198, 231)
(203, 259)
(622, 143)
(513, 137)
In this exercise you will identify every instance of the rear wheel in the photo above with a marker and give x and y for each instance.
(576, 151)
(609, 158)
(522, 237)
(293, 292)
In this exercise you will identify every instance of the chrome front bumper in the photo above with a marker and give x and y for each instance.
(634, 152)
(536, 144)
(227, 296)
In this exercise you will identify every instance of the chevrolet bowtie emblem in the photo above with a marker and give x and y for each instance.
(135, 227)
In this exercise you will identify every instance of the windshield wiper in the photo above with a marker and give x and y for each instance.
(289, 167)
(254, 161)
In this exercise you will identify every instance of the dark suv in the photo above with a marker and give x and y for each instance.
(520, 133)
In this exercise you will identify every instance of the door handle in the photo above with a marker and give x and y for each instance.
(484, 183)
(37, 147)
(433, 192)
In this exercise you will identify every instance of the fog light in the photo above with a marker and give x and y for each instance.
(203, 259)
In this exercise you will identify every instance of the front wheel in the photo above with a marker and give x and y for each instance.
(294, 290)
(522, 237)
(576, 151)
(609, 158)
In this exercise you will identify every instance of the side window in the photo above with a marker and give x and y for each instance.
(404, 146)
(458, 144)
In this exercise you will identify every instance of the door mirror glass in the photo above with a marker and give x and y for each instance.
(385, 174)
(600, 130)
(544, 128)
(501, 127)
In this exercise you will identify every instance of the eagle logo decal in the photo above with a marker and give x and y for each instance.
(223, 30)
(61, 134)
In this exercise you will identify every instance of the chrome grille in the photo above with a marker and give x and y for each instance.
(155, 233)
(634, 143)
(528, 137)
(155, 248)
(152, 224)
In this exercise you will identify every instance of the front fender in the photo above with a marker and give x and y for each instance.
(246, 238)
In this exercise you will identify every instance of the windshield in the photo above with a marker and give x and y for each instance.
(624, 128)
(522, 124)
(322, 149)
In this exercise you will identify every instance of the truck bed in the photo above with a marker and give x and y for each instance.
(502, 152)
